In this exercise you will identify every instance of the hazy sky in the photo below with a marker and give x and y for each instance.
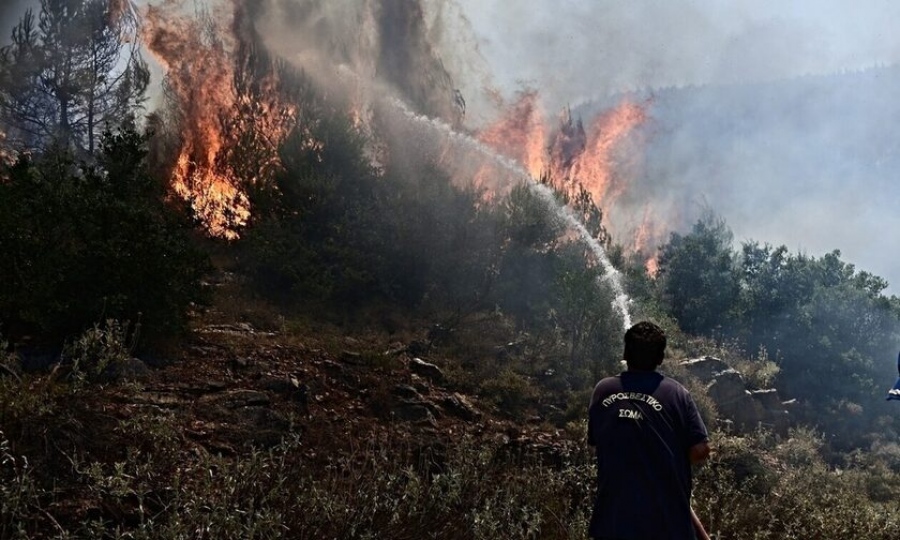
(10, 12)
(581, 48)
(807, 180)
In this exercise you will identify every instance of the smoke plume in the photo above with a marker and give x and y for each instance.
(779, 116)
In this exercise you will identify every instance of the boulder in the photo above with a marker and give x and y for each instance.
(768, 398)
(744, 409)
(412, 412)
(426, 370)
(459, 405)
(705, 368)
(405, 391)
(727, 387)
(352, 357)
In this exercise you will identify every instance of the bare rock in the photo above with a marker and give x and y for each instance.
(705, 368)
(236, 399)
(459, 405)
(768, 398)
(412, 412)
(353, 358)
(727, 387)
(744, 409)
(426, 370)
(406, 392)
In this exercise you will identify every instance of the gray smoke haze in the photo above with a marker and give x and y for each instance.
(777, 115)
(363, 47)
(573, 49)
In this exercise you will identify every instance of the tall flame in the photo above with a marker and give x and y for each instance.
(650, 234)
(520, 133)
(594, 168)
(203, 58)
(573, 156)
(202, 61)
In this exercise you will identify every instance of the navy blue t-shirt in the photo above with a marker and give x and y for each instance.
(642, 424)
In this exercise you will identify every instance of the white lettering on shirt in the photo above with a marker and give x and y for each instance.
(630, 414)
(633, 396)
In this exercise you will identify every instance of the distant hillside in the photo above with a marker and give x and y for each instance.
(808, 162)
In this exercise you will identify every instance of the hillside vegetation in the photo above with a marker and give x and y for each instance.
(384, 354)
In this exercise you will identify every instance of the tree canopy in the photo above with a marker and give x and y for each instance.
(70, 74)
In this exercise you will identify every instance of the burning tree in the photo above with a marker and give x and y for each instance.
(70, 74)
(227, 110)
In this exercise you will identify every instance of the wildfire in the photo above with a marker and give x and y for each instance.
(214, 114)
(594, 167)
(649, 234)
(520, 134)
(229, 119)
(573, 157)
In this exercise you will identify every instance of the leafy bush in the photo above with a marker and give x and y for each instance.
(98, 349)
(85, 242)
(764, 487)
(819, 324)
(510, 391)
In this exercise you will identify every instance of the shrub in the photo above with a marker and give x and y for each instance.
(763, 487)
(18, 494)
(83, 242)
(98, 349)
(510, 391)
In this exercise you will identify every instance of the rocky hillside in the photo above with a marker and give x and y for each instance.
(308, 430)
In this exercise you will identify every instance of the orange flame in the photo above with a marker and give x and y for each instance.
(200, 58)
(520, 133)
(650, 234)
(594, 168)
(573, 157)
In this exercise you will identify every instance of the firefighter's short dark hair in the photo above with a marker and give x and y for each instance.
(645, 346)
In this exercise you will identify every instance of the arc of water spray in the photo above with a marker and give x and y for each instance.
(611, 275)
